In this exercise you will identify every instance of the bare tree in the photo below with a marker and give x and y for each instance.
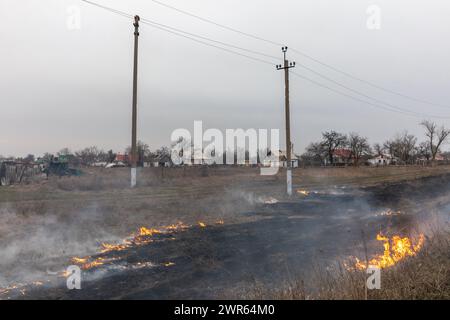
(390, 147)
(424, 150)
(332, 140)
(89, 155)
(403, 146)
(359, 146)
(315, 153)
(143, 152)
(47, 157)
(436, 136)
(406, 144)
(378, 149)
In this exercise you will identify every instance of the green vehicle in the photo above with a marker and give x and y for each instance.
(60, 166)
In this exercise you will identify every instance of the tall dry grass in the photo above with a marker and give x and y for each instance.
(425, 276)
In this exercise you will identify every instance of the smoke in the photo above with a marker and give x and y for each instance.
(264, 233)
(32, 245)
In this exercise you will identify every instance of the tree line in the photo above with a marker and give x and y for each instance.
(404, 146)
(91, 155)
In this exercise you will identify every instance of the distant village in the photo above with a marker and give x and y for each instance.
(333, 150)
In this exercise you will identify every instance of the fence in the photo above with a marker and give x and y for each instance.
(13, 172)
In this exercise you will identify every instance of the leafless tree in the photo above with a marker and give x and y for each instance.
(332, 140)
(315, 153)
(436, 136)
(163, 151)
(359, 147)
(143, 152)
(424, 150)
(378, 149)
(89, 155)
(404, 146)
(390, 147)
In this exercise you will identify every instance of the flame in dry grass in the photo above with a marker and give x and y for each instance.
(395, 250)
(143, 236)
(303, 192)
(77, 260)
(64, 274)
(176, 227)
(169, 264)
(143, 231)
(22, 288)
(108, 247)
(97, 262)
(8, 289)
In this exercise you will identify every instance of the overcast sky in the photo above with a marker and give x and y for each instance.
(72, 88)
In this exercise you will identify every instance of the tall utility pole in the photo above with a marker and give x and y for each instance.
(134, 116)
(286, 66)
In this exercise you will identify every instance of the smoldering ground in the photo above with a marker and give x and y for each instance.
(261, 240)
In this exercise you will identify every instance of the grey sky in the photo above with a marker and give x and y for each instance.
(72, 88)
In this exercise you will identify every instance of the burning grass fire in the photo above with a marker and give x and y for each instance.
(143, 236)
(143, 231)
(303, 192)
(395, 250)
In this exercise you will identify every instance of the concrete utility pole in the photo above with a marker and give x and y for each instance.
(286, 66)
(134, 116)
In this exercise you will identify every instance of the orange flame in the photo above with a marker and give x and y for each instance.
(77, 260)
(107, 247)
(395, 250)
(141, 237)
(97, 262)
(202, 224)
(303, 192)
(169, 264)
(143, 231)
(178, 226)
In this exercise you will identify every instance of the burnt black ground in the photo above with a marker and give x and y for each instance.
(287, 239)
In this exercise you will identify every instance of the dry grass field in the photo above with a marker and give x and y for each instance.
(46, 223)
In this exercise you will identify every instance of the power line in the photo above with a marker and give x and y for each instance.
(217, 24)
(191, 36)
(302, 54)
(363, 94)
(121, 13)
(392, 108)
(208, 39)
(368, 82)
(207, 44)
(358, 99)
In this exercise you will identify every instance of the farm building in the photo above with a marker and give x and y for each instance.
(382, 160)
